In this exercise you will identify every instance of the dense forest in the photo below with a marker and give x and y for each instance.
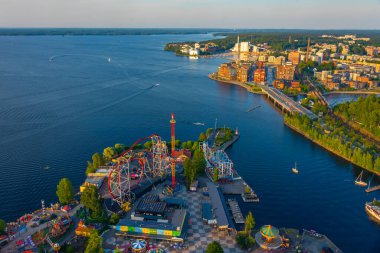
(332, 134)
(363, 115)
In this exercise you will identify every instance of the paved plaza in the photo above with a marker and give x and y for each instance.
(198, 234)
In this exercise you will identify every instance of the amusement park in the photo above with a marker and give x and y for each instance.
(155, 196)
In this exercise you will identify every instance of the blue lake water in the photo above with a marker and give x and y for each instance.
(58, 112)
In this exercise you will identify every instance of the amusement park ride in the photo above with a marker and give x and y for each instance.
(133, 166)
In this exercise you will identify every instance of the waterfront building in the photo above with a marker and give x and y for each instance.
(193, 51)
(243, 73)
(286, 72)
(185, 49)
(294, 57)
(259, 76)
(225, 71)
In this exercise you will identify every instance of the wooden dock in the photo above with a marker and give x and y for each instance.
(236, 212)
(373, 188)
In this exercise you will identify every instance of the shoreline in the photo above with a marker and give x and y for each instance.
(327, 148)
(243, 85)
(358, 92)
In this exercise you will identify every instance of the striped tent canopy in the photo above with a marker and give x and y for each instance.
(139, 245)
(269, 232)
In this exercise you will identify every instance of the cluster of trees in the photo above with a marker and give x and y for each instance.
(357, 49)
(335, 136)
(94, 243)
(3, 226)
(101, 159)
(326, 66)
(194, 166)
(91, 200)
(244, 238)
(364, 114)
(224, 135)
(307, 67)
(214, 247)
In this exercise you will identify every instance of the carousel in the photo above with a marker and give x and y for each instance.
(268, 238)
(139, 246)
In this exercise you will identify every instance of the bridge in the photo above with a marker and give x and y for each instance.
(286, 103)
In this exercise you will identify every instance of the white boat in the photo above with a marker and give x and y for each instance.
(109, 59)
(359, 181)
(157, 84)
(295, 171)
(199, 123)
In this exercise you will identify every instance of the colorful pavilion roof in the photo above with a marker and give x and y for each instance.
(269, 231)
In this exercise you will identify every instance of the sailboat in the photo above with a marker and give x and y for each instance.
(295, 171)
(359, 181)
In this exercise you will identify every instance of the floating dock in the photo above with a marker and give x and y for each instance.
(373, 188)
(236, 212)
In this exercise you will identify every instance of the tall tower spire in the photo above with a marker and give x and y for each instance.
(307, 50)
(238, 42)
(172, 124)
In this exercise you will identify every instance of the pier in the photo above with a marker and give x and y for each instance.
(236, 212)
(372, 189)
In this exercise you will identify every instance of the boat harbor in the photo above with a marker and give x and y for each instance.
(236, 212)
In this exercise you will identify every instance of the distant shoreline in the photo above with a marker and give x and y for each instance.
(104, 31)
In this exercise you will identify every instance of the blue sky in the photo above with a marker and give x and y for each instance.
(315, 14)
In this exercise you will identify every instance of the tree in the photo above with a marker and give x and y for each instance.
(195, 145)
(90, 199)
(215, 177)
(41, 248)
(245, 241)
(117, 250)
(108, 153)
(214, 247)
(148, 144)
(114, 219)
(97, 161)
(189, 172)
(65, 191)
(202, 137)
(199, 161)
(94, 243)
(249, 223)
(3, 226)
(119, 148)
